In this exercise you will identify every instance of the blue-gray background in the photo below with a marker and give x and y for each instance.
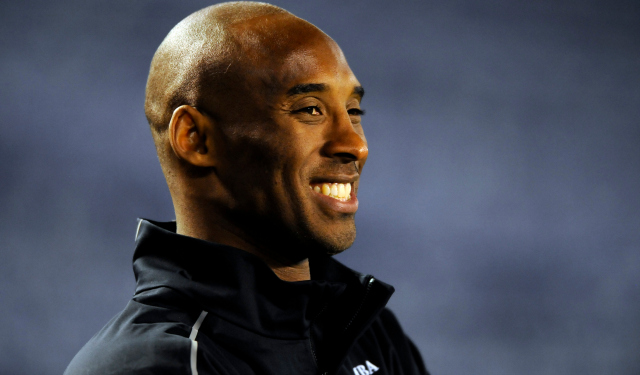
(501, 195)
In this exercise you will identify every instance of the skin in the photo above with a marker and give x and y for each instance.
(239, 164)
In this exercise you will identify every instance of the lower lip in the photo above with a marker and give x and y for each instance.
(347, 207)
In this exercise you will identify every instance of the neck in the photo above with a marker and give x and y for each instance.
(212, 230)
(292, 272)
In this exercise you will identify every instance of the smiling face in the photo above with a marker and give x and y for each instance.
(291, 143)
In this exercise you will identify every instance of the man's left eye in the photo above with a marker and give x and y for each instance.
(312, 110)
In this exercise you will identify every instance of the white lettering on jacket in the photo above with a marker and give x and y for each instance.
(369, 369)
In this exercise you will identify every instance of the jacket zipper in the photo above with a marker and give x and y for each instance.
(313, 351)
(366, 293)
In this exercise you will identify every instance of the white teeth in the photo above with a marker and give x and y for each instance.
(326, 190)
(334, 190)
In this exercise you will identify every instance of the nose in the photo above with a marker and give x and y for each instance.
(346, 142)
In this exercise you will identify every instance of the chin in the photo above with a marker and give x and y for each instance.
(298, 243)
(334, 243)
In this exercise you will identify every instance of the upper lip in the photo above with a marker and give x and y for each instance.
(340, 179)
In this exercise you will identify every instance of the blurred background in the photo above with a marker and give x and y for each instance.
(501, 196)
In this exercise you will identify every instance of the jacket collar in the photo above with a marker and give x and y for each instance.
(240, 288)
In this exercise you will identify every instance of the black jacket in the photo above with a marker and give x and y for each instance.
(204, 308)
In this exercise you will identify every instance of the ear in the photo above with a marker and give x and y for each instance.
(190, 136)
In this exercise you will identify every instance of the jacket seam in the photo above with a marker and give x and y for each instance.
(223, 318)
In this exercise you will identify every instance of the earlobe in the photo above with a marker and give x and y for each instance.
(189, 132)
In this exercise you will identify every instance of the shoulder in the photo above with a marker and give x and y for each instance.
(388, 319)
(392, 339)
(142, 339)
(387, 325)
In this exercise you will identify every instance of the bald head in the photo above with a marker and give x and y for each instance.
(211, 52)
(251, 108)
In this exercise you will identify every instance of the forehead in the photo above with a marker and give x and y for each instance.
(283, 51)
(321, 61)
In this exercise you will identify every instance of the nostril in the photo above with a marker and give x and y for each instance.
(345, 155)
(346, 146)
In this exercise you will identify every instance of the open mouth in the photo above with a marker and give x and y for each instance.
(339, 191)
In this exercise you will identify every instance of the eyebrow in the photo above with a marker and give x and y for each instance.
(305, 88)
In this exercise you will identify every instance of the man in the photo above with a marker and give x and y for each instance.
(256, 119)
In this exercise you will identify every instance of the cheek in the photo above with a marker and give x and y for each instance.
(257, 157)
(267, 161)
